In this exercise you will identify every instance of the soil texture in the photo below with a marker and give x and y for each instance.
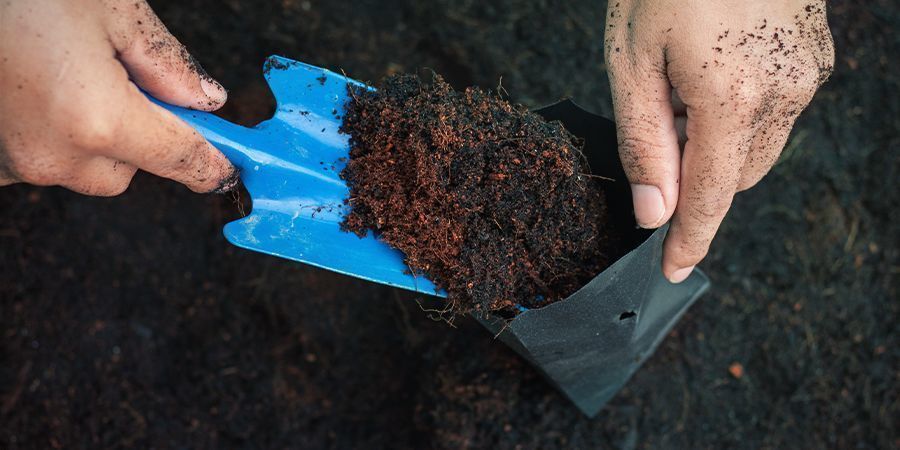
(487, 199)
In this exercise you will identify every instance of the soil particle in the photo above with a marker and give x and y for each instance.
(229, 183)
(274, 63)
(484, 197)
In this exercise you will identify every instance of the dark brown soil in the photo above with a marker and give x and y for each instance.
(487, 199)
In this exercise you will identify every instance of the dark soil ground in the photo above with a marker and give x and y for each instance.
(494, 204)
(130, 322)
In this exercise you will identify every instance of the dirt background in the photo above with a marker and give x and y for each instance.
(130, 322)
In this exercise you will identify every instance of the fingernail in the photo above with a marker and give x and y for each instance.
(649, 207)
(681, 274)
(213, 89)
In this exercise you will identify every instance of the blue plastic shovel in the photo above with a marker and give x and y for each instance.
(290, 165)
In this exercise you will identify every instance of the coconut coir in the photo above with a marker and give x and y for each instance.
(487, 199)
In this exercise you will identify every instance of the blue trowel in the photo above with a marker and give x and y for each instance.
(290, 165)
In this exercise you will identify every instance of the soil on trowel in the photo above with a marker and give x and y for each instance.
(488, 200)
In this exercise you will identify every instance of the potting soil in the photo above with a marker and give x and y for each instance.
(486, 199)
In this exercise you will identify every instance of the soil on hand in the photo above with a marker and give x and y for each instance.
(487, 199)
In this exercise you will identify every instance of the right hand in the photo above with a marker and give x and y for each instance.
(72, 112)
(705, 95)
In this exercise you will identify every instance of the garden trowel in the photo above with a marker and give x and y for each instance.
(587, 345)
(290, 165)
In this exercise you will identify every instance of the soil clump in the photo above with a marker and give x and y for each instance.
(491, 202)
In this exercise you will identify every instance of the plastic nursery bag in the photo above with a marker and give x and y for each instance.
(589, 344)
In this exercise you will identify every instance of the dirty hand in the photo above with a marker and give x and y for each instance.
(71, 112)
(705, 94)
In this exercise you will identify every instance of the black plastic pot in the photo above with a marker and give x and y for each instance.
(590, 344)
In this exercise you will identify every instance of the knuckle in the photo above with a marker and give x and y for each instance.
(751, 94)
(638, 146)
(809, 69)
(181, 160)
(721, 92)
(803, 84)
(640, 157)
(94, 130)
(719, 87)
(192, 165)
(709, 210)
(640, 135)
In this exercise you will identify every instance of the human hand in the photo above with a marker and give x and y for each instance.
(725, 80)
(71, 112)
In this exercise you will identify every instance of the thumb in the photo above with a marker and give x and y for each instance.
(161, 65)
(645, 127)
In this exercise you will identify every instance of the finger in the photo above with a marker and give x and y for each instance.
(713, 156)
(101, 176)
(648, 142)
(161, 65)
(160, 143)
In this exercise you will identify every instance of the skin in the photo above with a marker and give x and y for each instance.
(73, 114)
(705, 95)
